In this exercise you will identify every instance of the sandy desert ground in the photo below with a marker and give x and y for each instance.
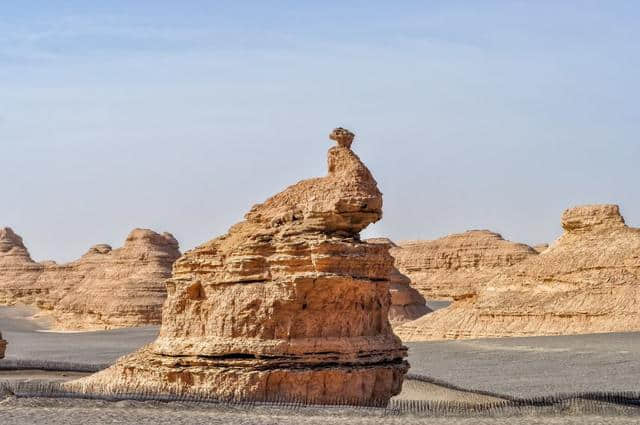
(471, 371)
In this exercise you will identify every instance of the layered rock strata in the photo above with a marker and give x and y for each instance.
(452, 267)
(289, 304)
(106, 288)
(587, 281)
(407, 304)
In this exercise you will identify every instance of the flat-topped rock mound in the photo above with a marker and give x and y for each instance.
(407, 304)
(289, 304)
(587, 281)
(453, 267)
(106, 288)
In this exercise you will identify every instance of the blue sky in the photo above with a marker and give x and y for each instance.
(178, 116)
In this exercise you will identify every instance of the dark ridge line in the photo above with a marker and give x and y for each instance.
(51, 366)
(450, 386)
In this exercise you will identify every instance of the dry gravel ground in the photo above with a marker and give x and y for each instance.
(27, 341)
(76, 412)
(521, 367)
(534, 366)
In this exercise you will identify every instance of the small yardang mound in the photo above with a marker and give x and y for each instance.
(406, 303)
(587, 281)
(288, 305)
(453, 267)
(106, 288)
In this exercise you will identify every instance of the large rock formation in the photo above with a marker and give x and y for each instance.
(587, 281)
(452, 267)
(406, 303)
(289, 304)
(106, 288)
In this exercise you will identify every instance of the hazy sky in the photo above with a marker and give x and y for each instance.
(178, 116)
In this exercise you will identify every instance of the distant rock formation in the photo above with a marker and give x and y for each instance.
(289, 304)
(406, 303)
(452, 267)
(18, 272)
(104, 289)
(587, 281)
(541, 247)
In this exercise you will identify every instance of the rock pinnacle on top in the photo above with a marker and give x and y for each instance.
(343, 136)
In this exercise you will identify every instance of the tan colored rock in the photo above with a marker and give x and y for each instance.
(406, 303)
(587, 281)
(289, 304)
(18, 272)
(452, 267)
(343, 136)
(541, 247)
(104, 289)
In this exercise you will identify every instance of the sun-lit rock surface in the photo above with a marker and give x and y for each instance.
(587, 281)
(106, 288)
(453, 267)
(406, 303)
(290, 303)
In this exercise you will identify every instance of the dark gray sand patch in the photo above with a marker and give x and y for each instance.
(23, 318)
(535, 366)
(40, 376)
(27, 341)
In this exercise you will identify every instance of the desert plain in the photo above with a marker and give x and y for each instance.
(291, 317)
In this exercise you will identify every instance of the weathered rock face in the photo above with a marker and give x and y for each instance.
(406, 303)
(18, 272)
(103, 289)
(288, 304)
(3, 346)
(118, 287)
(587, 281)
(454, 266)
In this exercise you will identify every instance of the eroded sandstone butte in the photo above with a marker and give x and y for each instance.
(407, 304)
(106, 288)
(289, 304)
(452, 267)
(587, 281)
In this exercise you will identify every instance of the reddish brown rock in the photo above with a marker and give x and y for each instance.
(406, 303)
(3, 346)
(587, 281)
(103, 289)
(289, 304)
(452, 267)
